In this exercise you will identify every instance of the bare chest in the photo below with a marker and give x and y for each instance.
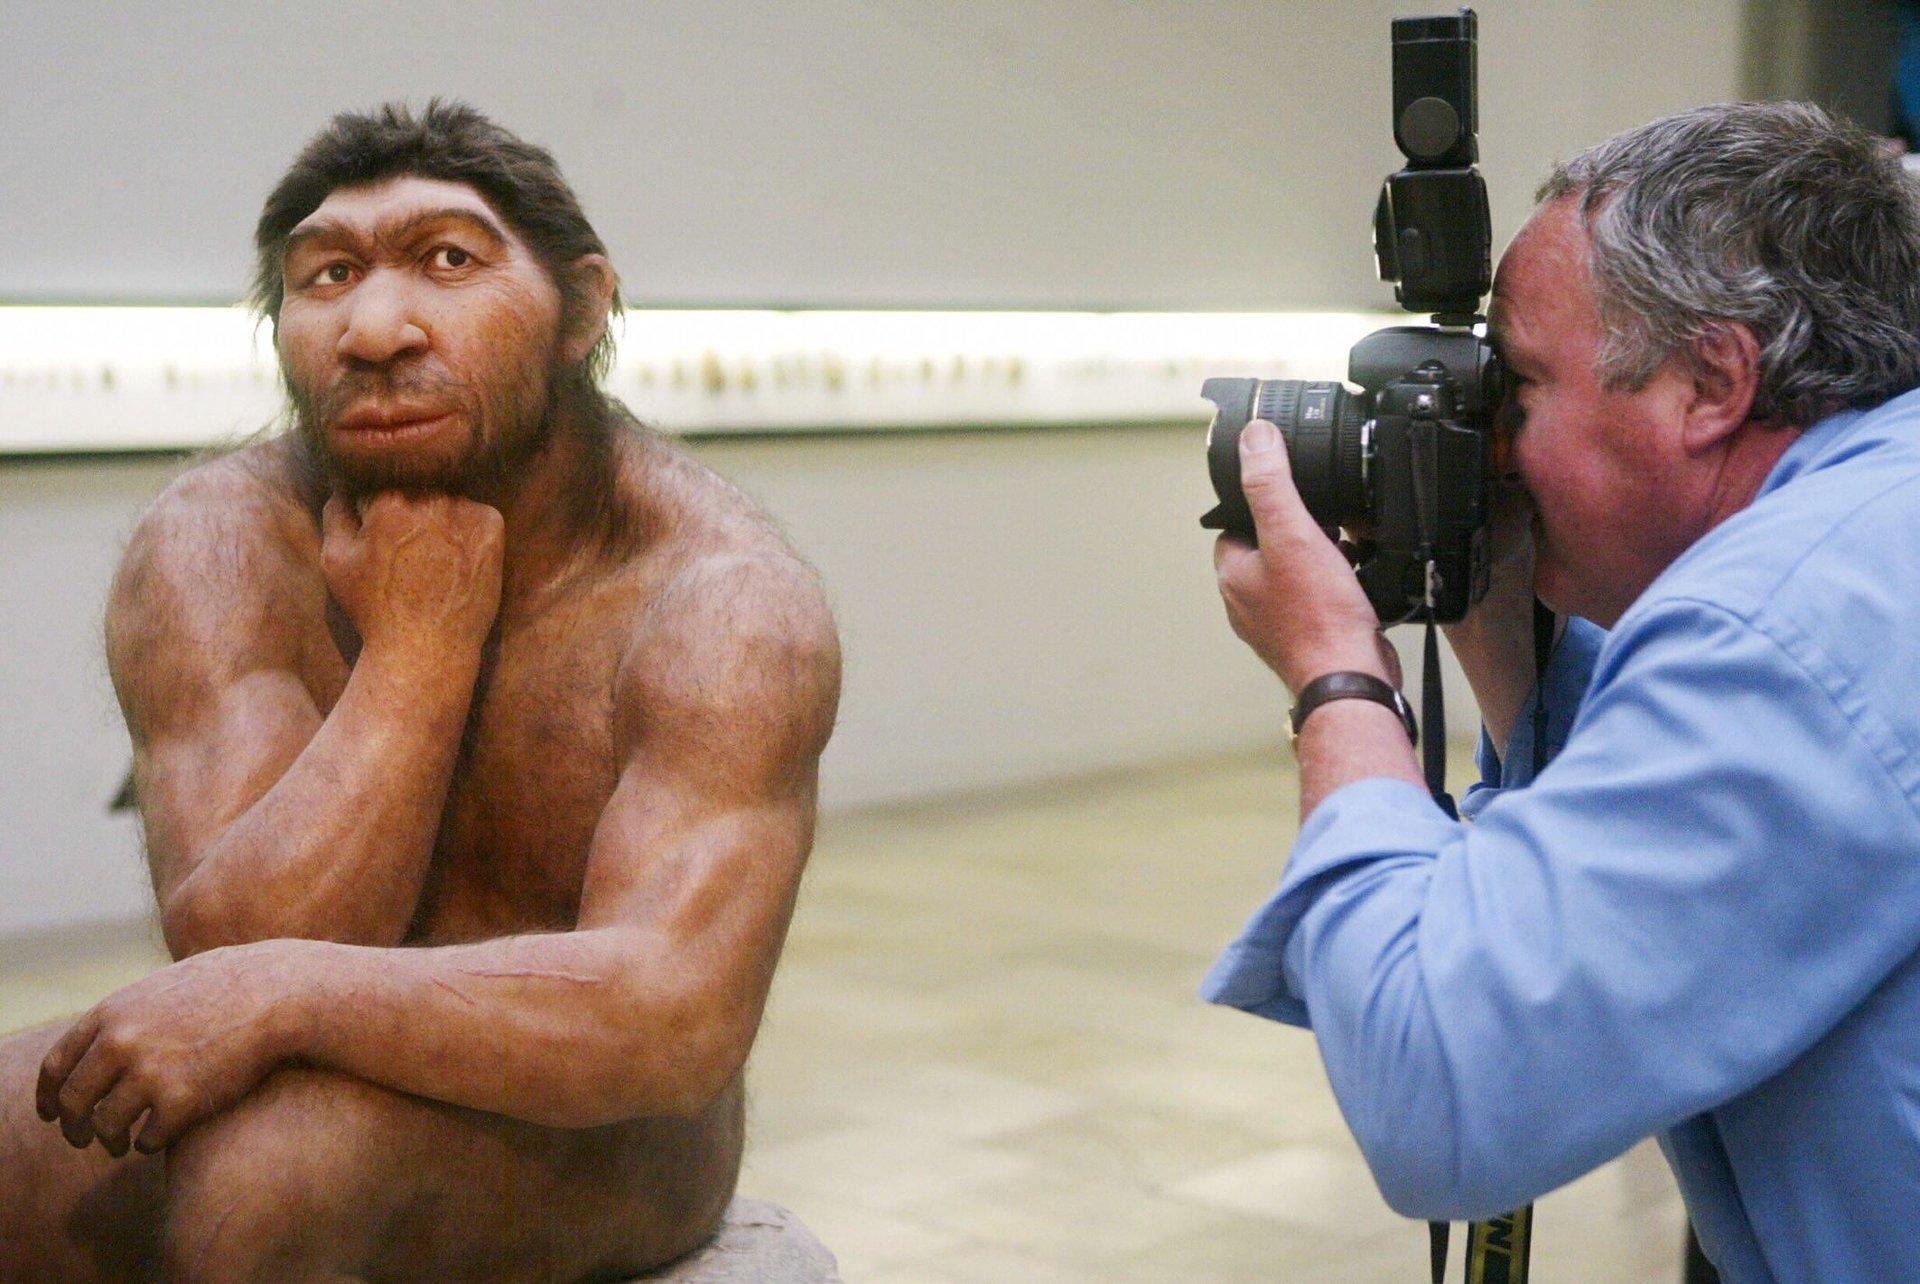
(535, 771)
(536, 766)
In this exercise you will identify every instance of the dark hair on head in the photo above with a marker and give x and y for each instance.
(449, 141)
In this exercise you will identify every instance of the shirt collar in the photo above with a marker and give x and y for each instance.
(1830, 438)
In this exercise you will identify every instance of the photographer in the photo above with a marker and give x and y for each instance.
(1702, 920)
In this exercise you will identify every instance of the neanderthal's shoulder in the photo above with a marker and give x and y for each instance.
(695, 516)
(232, 510)
(723, 565)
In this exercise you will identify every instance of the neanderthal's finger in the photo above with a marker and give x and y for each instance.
(167, 1120)
(338, 520)
(113, 1118)
(59, 1062)
(89, 1081)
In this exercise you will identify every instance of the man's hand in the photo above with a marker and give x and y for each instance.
(1494, 642)
(1294, 599)
(419, 571)
(185, 1043)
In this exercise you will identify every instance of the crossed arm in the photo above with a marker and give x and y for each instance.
(650, 1006)
(724, 703)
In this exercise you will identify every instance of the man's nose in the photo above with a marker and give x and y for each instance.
(381, 324)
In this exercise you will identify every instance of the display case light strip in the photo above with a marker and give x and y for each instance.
(84, 379)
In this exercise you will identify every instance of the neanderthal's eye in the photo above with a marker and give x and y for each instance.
(335, 273)
(452, 256)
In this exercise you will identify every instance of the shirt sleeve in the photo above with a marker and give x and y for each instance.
(1716, 868)
(1548, 714)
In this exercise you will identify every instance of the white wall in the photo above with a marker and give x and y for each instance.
(63, 749)
(1147, 153)
(1015, 606)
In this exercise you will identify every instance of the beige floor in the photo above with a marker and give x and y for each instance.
(983, 1060)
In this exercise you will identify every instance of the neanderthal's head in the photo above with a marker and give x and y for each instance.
(435, 292)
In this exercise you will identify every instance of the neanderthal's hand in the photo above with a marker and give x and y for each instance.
(183, 1044)
(1294, 599)
(420, 572)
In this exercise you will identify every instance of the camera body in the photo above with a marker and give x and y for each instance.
(1408, 459)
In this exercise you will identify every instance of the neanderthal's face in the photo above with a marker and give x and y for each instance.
(419, 337)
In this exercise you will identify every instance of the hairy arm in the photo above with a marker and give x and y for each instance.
(726, 700)
(263, 817)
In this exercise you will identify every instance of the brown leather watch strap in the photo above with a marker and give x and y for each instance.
(1347, 685)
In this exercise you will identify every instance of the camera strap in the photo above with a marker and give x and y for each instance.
(1497, 1249)
(1544, 626)
(1433, 723)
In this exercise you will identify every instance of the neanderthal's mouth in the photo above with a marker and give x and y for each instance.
(390, 424)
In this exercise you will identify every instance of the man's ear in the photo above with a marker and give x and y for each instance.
(593, 285)
(1726, 378)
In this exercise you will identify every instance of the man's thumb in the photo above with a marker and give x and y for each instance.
(1263, 461)
(1266, 479)
(1258, 438)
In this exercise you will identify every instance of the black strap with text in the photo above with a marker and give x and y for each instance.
(1497, 1249)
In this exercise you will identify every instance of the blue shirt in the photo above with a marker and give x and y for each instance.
(1699, 921)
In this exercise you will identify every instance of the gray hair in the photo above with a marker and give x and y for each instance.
(1770, 214)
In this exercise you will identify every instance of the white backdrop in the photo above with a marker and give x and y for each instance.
(1074, 153)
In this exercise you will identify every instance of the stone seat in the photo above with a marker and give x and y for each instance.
(757, 1243)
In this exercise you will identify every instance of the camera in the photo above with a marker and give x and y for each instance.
(1407, 459)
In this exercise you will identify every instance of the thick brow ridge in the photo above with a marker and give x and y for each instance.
(394, 232)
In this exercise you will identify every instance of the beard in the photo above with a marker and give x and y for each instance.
(509, 419)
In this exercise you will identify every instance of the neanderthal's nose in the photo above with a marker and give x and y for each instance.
(381, 324)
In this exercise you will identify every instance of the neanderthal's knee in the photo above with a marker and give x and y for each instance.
(274, 1188)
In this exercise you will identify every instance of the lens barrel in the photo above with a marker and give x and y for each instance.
(1324, 428)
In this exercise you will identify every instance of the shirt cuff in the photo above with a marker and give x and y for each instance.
(1353, 826)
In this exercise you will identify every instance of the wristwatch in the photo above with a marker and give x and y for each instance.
(1352, 686)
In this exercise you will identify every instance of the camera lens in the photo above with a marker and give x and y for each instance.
(1323, 426)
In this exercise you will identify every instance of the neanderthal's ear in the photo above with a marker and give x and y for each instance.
(1726, 378)
(593, 286)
